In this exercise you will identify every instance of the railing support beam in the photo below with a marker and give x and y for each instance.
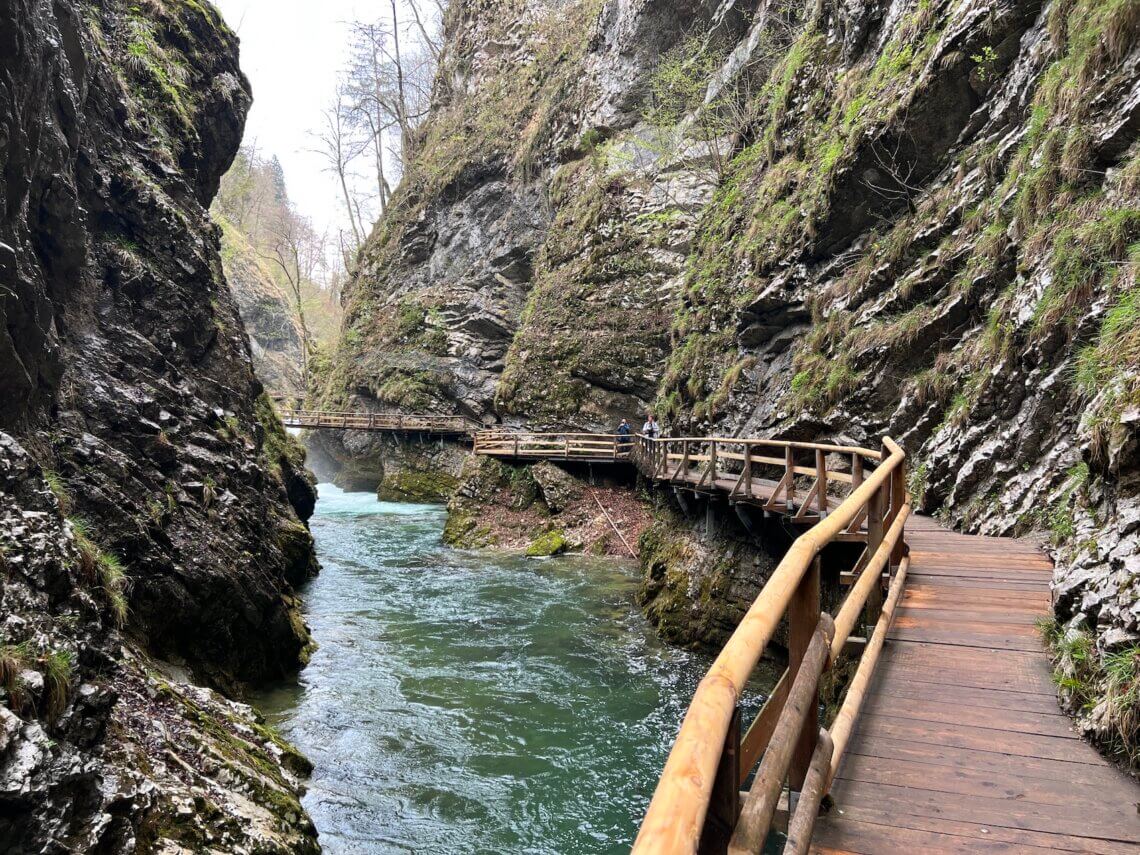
(724, 805)
(803, 619)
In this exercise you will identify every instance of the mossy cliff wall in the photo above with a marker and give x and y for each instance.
(150, 502)
(915, 218)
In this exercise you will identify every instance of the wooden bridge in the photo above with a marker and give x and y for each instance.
(949, 737)
(441, 425)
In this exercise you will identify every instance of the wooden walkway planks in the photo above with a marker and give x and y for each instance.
(961, 746)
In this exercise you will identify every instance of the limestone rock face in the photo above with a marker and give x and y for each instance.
(135, 381)
(125, 373)
(101, 746)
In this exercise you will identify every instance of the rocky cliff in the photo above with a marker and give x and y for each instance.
(832, 219)
(152, 506)
(275, 336)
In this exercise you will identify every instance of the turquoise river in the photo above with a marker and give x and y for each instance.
(474, 701)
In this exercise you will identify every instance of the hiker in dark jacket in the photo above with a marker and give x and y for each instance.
(624, 431)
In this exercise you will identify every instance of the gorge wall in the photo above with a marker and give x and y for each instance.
(151, 506)
(821, 220)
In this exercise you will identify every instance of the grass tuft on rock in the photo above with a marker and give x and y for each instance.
(102, 569)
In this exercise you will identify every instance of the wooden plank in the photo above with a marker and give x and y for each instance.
(914, 687)
(1100, 776)
(855, 836)
(967, 835)
(964, 780)
(1079, 821)
(894, 705)
(975, 738)
(998, 614)
(981, 640)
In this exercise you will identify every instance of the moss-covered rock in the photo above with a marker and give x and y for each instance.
(548, 543)
(463, 530)
(696, 588)
(424, 487)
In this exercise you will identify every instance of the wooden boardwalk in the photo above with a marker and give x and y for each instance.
(961, 746)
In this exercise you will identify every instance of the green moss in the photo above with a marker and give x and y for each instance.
(59, 672)
(282, 452)
(547, 544)
(425, 486)
(463, 530)
(14, 660)
(1084, 257)
(59, 490)
(57, 668)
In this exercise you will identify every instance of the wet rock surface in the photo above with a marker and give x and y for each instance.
(103, 749)
(126, 375)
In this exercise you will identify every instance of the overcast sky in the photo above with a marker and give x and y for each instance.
(292, 50)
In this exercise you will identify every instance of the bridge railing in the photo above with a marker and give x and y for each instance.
(378, 421)
(698, 803)
(553, 446)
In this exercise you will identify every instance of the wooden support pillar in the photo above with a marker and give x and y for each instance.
(724, 803)
(803, 619)
(898, 499)
(875, 530)
(748, 469)
(821, 482)
(790, 467)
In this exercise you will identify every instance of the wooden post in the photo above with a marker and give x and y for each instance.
(566, 446)
(724, 803)
(821, 482)
(748, 469)
(790, 466)
(685, 458)
(803, 618)
(898, 499)
(803, 821)
(516, 445)
(712, 463)
(875, 530)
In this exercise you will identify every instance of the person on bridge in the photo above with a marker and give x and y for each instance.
(651, 429)
(624, 430)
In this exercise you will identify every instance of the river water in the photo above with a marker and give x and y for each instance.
(474, 701)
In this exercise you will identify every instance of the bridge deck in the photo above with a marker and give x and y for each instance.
(961, 745)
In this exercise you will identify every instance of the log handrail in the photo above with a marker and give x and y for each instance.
(676, 817)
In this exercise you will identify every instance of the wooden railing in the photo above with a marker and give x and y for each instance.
(853, 494)
(591, 447)
(318, 419)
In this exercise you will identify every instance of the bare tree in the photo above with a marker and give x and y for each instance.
(296, 250)
(339, 150)
(386, 89)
